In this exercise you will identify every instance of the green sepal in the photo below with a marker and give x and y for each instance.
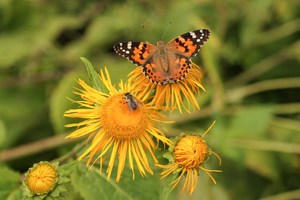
(59, 191)
(168, 155)
(168, 187)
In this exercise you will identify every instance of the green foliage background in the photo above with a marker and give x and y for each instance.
(252, 78)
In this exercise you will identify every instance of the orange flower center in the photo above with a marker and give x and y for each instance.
(121, 120)
(41, 179)
(191, 151)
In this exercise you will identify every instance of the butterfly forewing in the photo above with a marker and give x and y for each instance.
(136, 52)
(189, 44)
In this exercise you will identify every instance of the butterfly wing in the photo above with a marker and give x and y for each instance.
(145, 55)
(136, 52)
(181, 50)
(189, 44)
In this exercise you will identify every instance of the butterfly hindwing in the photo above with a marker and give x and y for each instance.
(190, 43)
(153, 72)
(178, 71)
(136, 52)
(182, 66)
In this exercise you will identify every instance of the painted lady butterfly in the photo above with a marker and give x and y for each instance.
(165, 63)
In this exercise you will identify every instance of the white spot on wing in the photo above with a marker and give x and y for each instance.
(193, 35)
(129, 45)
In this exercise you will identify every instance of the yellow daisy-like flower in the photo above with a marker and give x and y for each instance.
(120, 124)
(188, 156)
(41, 178)
(172, 95)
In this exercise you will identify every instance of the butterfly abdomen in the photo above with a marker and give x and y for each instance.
(162, 56)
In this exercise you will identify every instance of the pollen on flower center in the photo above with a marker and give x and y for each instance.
(120, 120)
(190, 151)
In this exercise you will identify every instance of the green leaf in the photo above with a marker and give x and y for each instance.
(59, 102)
(2, 132)
(252, 24)
(93, 75)
(207, 190)
(16, 194)
(251, 122)
(9, 182)
(167, 190)
(68, 168)
(263, 163)
(12, 110)
(92, 184)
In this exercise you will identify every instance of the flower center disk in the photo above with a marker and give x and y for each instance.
(120, 121)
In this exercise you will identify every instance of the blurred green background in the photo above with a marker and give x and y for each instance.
(252, 78)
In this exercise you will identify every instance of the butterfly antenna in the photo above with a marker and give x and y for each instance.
(166, 30)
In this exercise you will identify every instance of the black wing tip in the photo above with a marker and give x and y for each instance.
(116, 47)
(205, 32)
(202, 32)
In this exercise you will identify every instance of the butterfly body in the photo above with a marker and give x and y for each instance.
(165, 63)
(163, 55)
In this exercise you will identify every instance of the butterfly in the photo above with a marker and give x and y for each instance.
(165, 63)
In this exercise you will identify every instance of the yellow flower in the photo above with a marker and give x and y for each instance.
(120, 125)
(41, 178)
(172, 95)
(188, 156)
(47, 180)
